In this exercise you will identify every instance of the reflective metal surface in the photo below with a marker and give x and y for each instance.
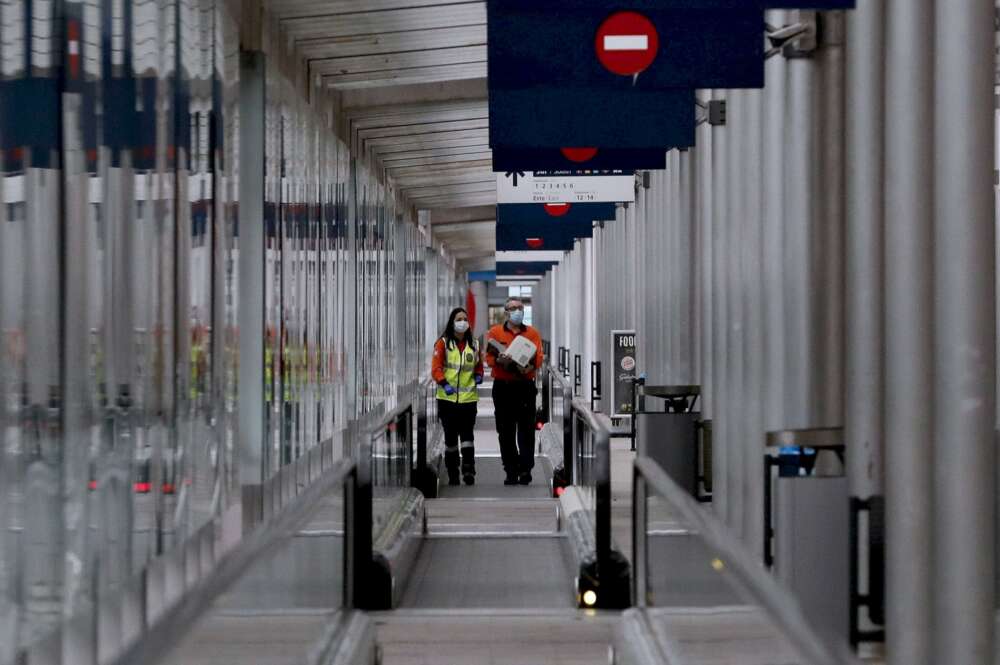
(120, 294)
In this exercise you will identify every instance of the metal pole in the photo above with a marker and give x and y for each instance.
(800, 213)
(964, 449)
(706, 245)
(735, 398)
(828, 243)
(251, 268)
(908, 349)
(753, 338)
(775, 376)
(719, 318)
(865, 127)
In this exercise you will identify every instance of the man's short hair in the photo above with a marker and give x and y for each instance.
(510, 300)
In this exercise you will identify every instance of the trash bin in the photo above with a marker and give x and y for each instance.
(807, 523)
(666, 429)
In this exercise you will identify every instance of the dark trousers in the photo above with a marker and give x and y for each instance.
(514, 404)
(458, 421)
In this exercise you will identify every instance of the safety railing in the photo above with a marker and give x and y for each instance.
(424, 477)
(154, 612)
(684, 557)
(556, 407)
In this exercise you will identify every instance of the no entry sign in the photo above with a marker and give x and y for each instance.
(627, 43)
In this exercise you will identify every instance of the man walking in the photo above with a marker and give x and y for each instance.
(514, 394)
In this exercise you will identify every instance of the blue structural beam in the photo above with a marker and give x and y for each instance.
(567, 159)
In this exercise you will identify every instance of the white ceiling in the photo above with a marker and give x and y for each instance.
(412, 74)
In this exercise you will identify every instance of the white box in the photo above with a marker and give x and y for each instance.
(522, 351)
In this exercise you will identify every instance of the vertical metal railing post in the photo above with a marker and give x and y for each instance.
(909, 167)
(640, 553)
(964, 324)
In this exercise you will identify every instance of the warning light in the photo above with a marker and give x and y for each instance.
(718, 566)
(143, 488)
(535, 243)
(92, 484)
(560, 491)
(589, 598)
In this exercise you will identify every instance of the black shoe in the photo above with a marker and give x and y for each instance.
(511, 479)
(469, 474)
(524, 478)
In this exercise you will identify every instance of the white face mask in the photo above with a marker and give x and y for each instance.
(517, 317)
(461, 326)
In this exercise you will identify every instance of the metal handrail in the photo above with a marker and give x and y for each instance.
(580, 412)
(762, 588)
(158, 640)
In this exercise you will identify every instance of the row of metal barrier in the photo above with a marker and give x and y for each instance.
(324, 510)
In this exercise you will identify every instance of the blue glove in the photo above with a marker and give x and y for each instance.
(479, 379)
(448, 390)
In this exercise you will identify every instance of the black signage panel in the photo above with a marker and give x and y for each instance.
(567, 159)
(623, 348)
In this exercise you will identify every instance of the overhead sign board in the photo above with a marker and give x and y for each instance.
(526, 187)
(645, 48)
(623, 371)
(563, 159)
(511, 237)
(560, 213)
(643, 5)
(523, 268)
(610, 117)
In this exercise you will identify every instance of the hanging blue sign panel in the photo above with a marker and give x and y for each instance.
(563, 213)
(597, 45)
(558, 117)
(528, 239)
(523, 268)
(568, 159)
(560, 6)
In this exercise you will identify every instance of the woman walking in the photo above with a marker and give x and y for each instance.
(457, 368)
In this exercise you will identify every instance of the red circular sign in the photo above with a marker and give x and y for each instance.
(579, 155)
(556, 209)
(627, 43)
(535, 243)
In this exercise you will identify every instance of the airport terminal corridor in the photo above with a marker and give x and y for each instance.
(717, 279)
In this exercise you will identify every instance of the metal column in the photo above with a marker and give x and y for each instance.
(720, 324)
(251, 290)
(865, 265)
(773, 235)
(828, 239)
(801, 150)
(753, 336)
(704, 203)
(908, 358)
(964, 237)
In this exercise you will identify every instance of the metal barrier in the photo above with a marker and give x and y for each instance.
(424, 477)
(661, 510)
(156, 609)
(603, 580)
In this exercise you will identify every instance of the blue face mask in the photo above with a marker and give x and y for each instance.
(517, 316)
